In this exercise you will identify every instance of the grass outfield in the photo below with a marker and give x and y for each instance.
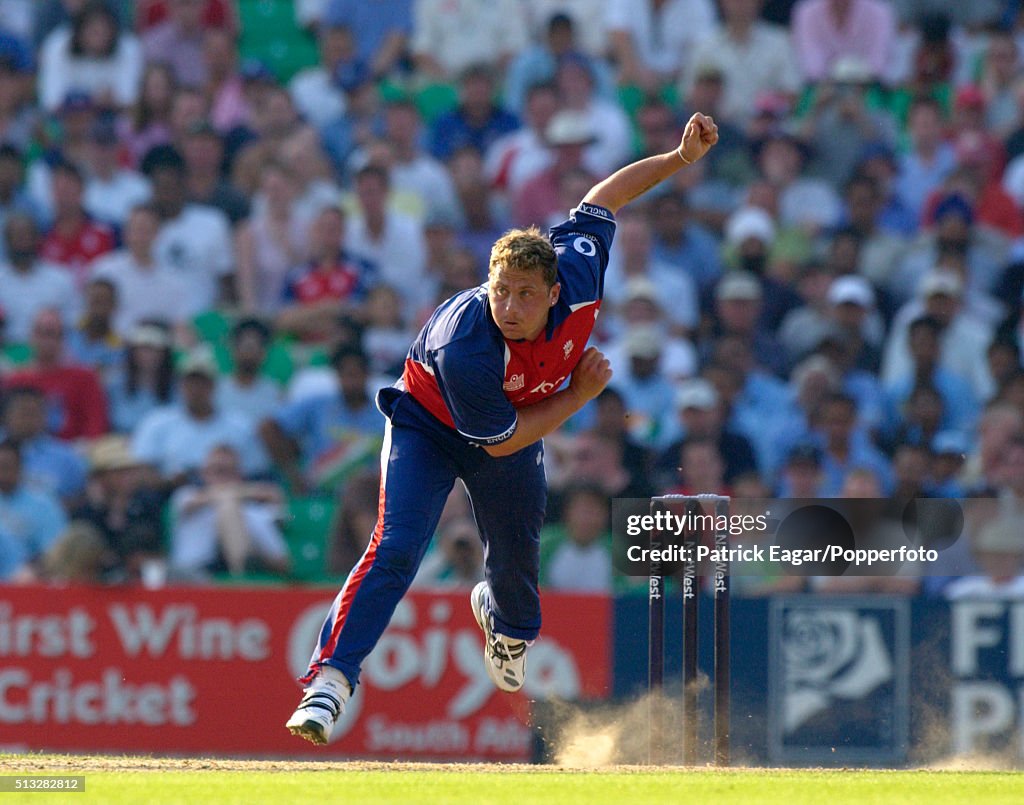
(116, 780)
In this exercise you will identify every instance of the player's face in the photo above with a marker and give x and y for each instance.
(520, 301)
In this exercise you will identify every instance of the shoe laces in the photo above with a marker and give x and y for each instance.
(506, 651)
(322, 699)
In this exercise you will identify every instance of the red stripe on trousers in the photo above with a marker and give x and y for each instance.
(355, 579)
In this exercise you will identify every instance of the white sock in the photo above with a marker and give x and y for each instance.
(334, 680)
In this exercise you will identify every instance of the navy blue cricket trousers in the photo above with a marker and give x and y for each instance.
(420, 462)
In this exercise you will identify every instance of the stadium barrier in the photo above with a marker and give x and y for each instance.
(853, 680)
(192, 670)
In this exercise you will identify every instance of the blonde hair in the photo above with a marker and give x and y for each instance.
(525, 250)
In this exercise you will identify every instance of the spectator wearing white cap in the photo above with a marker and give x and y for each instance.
(648, 393)
(998, 550)
(852, 344)
(965, 338)
(924, 347)
(176, 439)
(698, 415)
(739, 301)
(632, 258)
(751, 244)
(750, 231)
(644, 304)
(567, 134)
(853, 311)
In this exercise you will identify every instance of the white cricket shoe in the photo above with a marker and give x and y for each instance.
(504, 657)
(322, 704)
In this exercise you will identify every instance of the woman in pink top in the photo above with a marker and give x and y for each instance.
(270, 242)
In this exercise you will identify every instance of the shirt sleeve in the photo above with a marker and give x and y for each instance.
(470, 381)
(220, 241)
(582, 244)
(147, 441)
(50, 523)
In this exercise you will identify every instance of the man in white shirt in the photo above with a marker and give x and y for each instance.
(146, 288)
(413, 170)
(315, 93)
(965, 338)
(194, 240)
(394, 242)
(247, 391)
(111, 191)
(29, 285)
(652, 39)
(227, 524)
(754, 57)
(442, 47)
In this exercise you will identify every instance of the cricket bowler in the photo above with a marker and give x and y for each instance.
(481, 387)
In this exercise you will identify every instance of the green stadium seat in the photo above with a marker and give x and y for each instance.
(270, 34)
(434, 100)
(278, 365)
(308, 533)
(212, 327)
(16, 354)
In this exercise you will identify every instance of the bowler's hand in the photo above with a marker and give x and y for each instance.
(699, 135)
(591, 375)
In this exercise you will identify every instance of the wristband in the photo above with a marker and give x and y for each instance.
(679, 151)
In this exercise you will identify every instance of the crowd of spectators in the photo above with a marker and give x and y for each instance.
(211, 256)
